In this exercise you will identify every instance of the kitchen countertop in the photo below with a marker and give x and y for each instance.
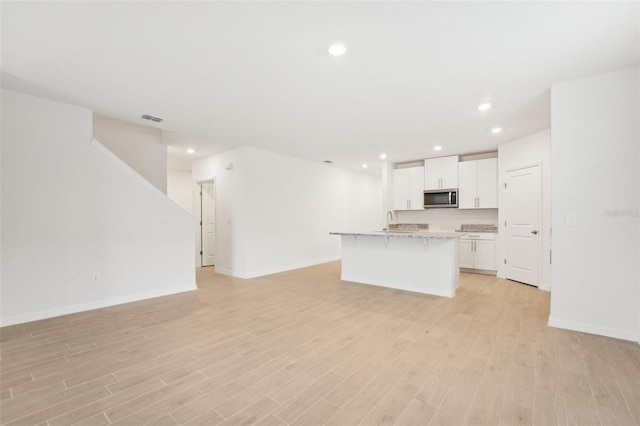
(478, 228)
(405, 234)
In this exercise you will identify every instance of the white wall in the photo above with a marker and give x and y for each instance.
(535, 148)
(594, 152)
(180, 189)
(70, 208)
(275, 212)
(139, 146)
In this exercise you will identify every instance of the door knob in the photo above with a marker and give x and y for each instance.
(534, 232)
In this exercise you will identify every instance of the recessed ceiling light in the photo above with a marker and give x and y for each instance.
(337, 49)
(364, 166)
(496, 130)
(383, 156)
(190, 151)
(484, 106)
(437, 148)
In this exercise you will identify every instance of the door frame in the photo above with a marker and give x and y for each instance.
(199, 223)
(542, 227)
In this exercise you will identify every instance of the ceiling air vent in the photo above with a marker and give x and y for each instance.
(152, 118)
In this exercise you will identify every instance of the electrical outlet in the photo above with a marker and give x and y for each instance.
(95, 278)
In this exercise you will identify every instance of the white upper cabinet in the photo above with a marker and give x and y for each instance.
(407, 188)
(441, 173)
(478, 184)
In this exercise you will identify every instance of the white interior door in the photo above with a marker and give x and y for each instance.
(208, 224)
(523, 212)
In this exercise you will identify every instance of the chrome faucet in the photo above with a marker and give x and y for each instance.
(389, 218)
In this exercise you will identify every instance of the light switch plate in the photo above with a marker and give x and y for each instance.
(572, 219)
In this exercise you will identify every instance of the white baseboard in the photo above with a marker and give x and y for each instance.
(50, 313)
(545, 287)
(226, 272)
(617, 333)
(479, 271)
(381, 283)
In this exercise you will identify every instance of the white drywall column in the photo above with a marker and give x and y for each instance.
(71, 208)
(595, 202)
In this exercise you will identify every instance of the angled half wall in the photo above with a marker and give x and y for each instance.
(80, 228)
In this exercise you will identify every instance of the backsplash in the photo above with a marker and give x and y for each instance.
(447, 219)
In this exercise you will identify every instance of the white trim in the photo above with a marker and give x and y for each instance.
(594, 329)
(524, 166)
(50, 313)
(544, 287)
(225, 272)
(479, 271)
(391, 284)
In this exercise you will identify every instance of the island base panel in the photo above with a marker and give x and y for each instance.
(427, 266)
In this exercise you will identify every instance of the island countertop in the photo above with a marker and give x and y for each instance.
(405, 234)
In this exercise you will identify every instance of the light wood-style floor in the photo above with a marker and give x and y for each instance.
(304, 348)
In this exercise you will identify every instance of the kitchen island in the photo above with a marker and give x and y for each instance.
(420, 261)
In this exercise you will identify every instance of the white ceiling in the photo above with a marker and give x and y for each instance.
(227, 74)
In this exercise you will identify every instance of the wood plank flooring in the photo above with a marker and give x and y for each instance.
(304, 348)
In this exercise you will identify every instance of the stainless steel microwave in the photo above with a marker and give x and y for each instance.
(441, 198)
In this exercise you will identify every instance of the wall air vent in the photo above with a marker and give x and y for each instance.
(152, 118)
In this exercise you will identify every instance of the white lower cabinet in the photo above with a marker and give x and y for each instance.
(478, 251)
